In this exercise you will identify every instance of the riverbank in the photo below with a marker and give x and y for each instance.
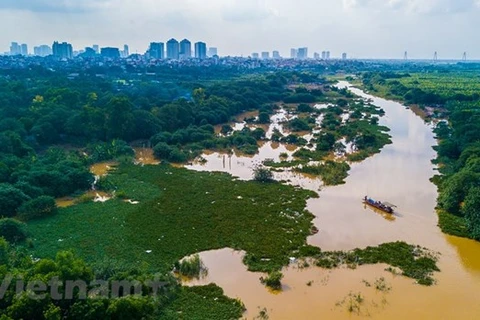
(451, 102)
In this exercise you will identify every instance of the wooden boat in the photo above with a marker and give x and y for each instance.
(382, 206)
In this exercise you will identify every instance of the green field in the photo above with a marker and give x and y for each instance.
(180, 212)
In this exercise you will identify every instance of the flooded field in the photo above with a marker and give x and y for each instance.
(399, 174)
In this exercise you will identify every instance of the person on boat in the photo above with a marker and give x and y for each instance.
(365, 198)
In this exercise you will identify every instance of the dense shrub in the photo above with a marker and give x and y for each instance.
(12, 230)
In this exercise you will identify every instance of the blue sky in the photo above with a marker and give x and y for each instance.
(363, 28)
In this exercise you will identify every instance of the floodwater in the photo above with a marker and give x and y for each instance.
(399, 174)
(98, 170)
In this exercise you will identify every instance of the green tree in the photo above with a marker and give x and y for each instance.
(262, 174)
(263, 118)
(12, 230)
(40, 207)
(454, 189)
(10, 200)
(131, 307)
(471, 211)
(119, 121)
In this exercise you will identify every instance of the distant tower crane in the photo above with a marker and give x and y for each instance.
(435, 57)
(464, 58)
(405, 56)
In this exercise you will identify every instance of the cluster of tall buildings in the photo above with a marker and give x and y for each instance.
(18, 49)
(175, 50)
(172, 49)
(295, 53)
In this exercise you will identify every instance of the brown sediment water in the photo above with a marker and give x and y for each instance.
(399, 174)
(65, 202)
(102, 168)
(145, 156)
(98, 170)
(239, 123)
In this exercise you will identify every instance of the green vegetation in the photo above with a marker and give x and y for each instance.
(165, 303)
(267, 220)
(454, 96)
(40, 207)
(452, 224)
(191, 267)
(203, 303)
(261, 174)
(415, 262)
(273, 280)
(298, 124)
(346, 120)
(12, 230)
(332, 172)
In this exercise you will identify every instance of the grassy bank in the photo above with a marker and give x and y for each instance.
(180, 212)
(413, 261)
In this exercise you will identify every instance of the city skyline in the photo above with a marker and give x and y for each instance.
(183, 50)
(363, 28)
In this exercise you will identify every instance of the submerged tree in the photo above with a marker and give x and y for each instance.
(262, 174)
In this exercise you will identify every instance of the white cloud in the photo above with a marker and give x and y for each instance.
(415, 6)
(362, 28)
(247, 10)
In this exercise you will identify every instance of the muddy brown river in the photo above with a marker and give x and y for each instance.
(399, 174)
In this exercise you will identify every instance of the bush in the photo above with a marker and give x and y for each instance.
(304, 108)
(273, 280)
(261, 174)
(263, 118)
(12, 230)
(191, 267)
(40, 207)
(298, 125)
(10, 200)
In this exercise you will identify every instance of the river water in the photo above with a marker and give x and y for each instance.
(399, 174)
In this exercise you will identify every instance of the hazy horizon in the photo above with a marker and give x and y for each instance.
(362, 28)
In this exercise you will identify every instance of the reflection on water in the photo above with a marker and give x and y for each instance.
(468, 251)
(384, 215)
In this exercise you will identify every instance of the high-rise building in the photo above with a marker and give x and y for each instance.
(96, 48)
(276, 55)
(212, 51)
(316, 56)
(327, 55)
(293, 53)
(62, 50)
(15, 49)
(88, 53)
(200, 50)
(42, 51)
(255, 55)
(302, 53)
(24, 49)
(157, 50)
(126, 51)
(109, 52)
(265, 55)
(173, 50)
(324, 55)
(344, 56)
(185, 49)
